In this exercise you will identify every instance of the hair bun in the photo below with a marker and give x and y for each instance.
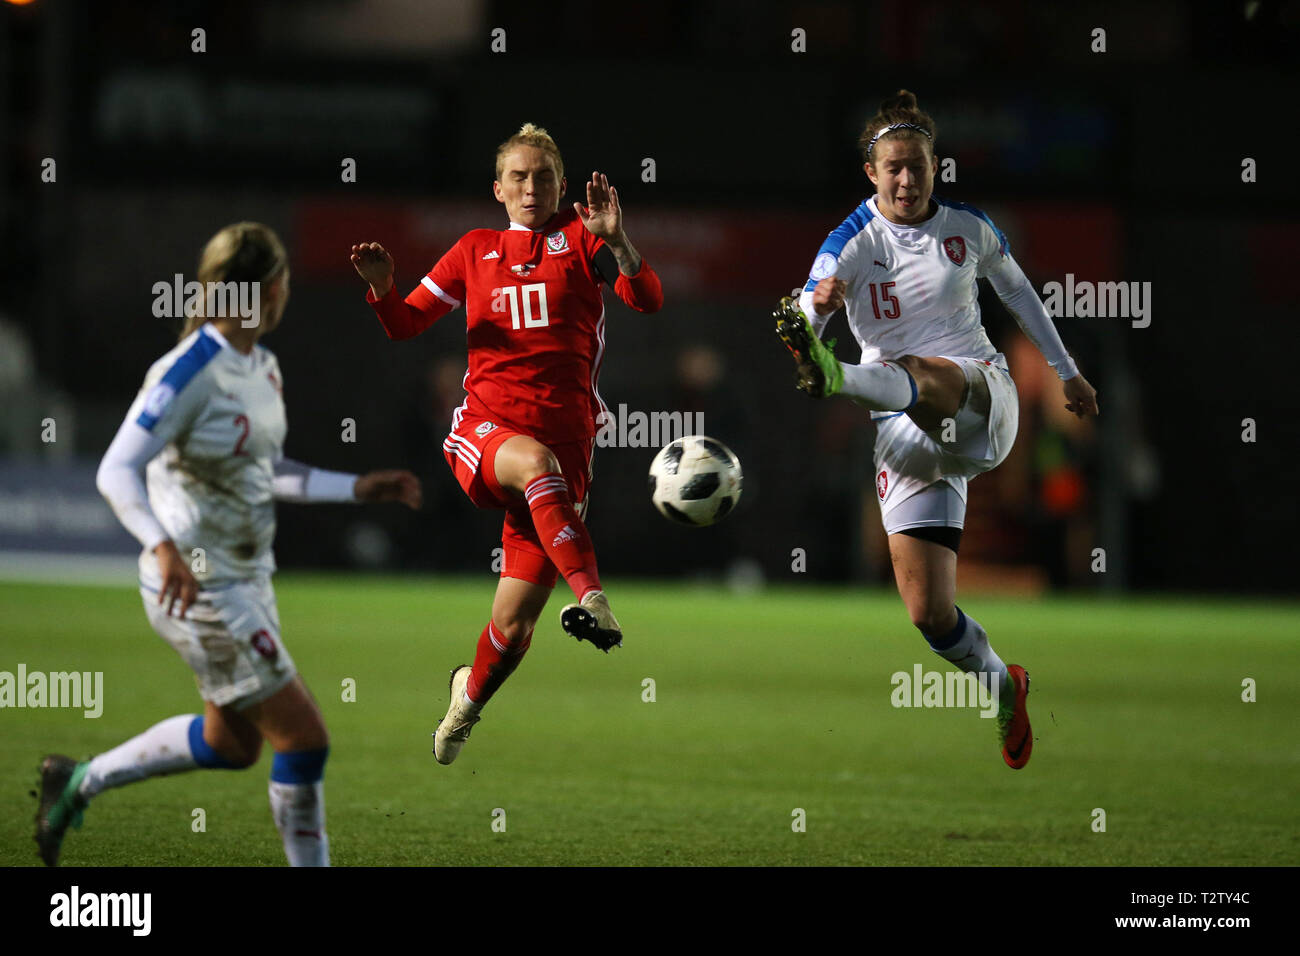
(902, 100)
(252, 260)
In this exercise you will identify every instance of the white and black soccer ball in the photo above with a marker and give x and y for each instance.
(695, 480)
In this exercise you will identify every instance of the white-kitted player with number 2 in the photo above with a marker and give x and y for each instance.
(904, 264)
(194, 473)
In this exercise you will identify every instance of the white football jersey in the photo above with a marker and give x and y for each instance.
(911, 289)
(222, 414)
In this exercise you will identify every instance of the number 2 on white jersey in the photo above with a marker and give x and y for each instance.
(242, 421)
(531, 321)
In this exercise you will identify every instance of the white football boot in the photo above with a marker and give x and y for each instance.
(592, 620)
(453, 730)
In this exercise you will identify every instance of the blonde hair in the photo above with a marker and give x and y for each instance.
(535, 136)
(241, 252)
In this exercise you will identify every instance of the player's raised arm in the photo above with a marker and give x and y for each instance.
(636, 284)
(401, 319)
(374, 264)
(1021, 300)
(603, 217)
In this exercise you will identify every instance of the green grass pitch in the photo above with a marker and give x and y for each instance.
(764, 704)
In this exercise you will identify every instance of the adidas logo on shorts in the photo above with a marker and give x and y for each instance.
(567, 534)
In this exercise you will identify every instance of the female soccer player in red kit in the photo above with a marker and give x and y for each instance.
(522, 440)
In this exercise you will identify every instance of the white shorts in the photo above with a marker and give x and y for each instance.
(230, 637)
(920, 478)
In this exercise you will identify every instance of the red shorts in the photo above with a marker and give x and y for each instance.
(471, 451)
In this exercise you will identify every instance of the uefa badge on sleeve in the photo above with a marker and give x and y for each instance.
(556, 243)
(823, 266)
(159, 397)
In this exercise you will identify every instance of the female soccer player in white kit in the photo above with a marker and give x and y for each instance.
(905, 265)
(194, 473)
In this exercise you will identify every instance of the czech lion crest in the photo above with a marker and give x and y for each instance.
(955, 246)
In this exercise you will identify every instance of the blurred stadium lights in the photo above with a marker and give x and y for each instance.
(361, 27)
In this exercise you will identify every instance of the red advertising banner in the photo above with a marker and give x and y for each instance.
(754, 255)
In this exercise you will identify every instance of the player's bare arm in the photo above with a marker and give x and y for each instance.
(603, 217)
(374, 264)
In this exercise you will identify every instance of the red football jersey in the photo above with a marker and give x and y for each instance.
(535, 321)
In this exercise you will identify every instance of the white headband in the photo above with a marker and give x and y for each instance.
(890, 129)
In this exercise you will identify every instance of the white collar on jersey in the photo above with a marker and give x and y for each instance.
(519, 226)
(899, 228)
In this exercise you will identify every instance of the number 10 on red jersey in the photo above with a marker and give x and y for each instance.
(532, 298)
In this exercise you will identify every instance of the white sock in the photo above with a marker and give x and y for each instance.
(882, 386)
(971, 652)
(163, 748)
(299, 813)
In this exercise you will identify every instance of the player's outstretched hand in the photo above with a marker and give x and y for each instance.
(1082, 398)
(828, 296)
(178, 584)
(603, 216)
(393, 485)
(375, 265)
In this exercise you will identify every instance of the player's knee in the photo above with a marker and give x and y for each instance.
(241, 754)
(303, 731)
(313, 736)
(239, 747)
(320, 737)
(921, 374)
(515, 630)
(539, 460)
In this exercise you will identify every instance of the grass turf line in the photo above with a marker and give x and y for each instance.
(765, 703)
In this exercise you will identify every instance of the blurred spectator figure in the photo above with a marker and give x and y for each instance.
(842, 497)
(426, 422)
(700, 371)
(702, 386)
(440, 393)
(28, 410)
(1054, 479)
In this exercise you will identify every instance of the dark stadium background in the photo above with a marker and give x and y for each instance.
(1122, 166)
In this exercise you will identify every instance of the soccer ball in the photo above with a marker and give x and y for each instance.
(695, 480)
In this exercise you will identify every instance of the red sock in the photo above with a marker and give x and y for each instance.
(495, 660)
(562, 532)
